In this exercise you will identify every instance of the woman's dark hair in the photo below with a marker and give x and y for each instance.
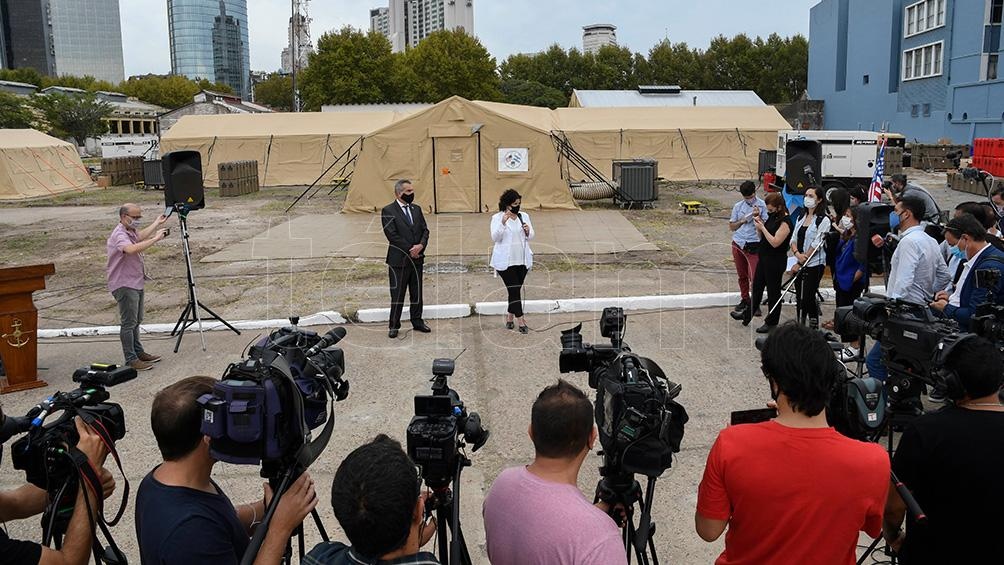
(858, 191)
(507, 199)
(776, 200)
(840, 200)
(801, 364)
(820, 200)
(854, 218)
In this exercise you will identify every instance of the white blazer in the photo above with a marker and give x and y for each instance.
(512, 246)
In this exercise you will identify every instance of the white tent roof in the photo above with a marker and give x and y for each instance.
(627, 98)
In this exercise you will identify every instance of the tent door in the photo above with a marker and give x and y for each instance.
(456, 174)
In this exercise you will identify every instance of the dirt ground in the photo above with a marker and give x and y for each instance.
(70, 231)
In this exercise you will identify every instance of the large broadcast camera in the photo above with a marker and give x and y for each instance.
(265, 407)
(441, 428)
(640, 424)
(47, 454)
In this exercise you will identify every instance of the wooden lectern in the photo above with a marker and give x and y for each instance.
(19, 325)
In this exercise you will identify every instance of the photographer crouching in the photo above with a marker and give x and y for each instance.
(952, 461)
(29, 500)
(792, 489)
(981, 256)
(182, 516)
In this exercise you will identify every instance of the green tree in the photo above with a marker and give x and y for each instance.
(14, 112)
(349, 67)
(532, 93)
(276, 92)
(26, 75)
(731, 64)
(614, 68)
(86, 82)
(673, 63)
(452, 63)
(171, 91)
(78, 116)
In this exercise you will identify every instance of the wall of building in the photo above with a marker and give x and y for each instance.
(87, 38)
(958, 105)
(27, 35)
(190, 32)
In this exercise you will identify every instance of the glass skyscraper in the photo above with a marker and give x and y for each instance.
(209, 39)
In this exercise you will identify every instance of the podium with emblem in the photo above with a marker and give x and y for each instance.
(19, 325)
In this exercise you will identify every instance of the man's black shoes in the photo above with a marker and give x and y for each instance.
(421, 326)
(392, 334)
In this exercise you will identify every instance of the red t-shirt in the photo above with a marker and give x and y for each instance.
(793, 495)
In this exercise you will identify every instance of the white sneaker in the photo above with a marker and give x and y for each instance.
(849, 354)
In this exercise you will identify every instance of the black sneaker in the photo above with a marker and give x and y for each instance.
(937, 395)
(743, 305)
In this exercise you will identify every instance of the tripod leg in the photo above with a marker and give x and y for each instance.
(442, 538)
(215, 316)
(320, 526)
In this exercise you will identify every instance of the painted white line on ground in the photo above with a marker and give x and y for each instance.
(318, 319)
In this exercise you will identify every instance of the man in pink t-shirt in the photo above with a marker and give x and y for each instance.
(126, 276)
(536, 514)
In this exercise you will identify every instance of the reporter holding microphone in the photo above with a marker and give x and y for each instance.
(511, 231)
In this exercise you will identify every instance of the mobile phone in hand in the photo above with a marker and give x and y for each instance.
(754, 416)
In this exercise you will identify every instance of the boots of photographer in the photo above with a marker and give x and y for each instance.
(814, 322)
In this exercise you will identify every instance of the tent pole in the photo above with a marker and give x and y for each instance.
(318, 179)
(688, 154)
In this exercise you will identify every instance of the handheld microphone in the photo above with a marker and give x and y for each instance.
(333, 336)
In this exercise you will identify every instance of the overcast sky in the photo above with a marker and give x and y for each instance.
(504, 26)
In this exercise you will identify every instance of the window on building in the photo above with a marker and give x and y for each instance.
(864, 79)
(992, 66)
(922, 62)
(914, 110)
(996, 11)
(924, 15)
(926, 110)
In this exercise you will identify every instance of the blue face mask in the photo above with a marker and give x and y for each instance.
(958, 252)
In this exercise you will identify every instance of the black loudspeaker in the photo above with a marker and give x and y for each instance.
(183, 179)
(872, 219)
(803, 160)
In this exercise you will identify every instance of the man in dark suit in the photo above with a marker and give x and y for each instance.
(981, 255)
(407, 233)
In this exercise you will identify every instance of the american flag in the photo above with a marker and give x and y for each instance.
(875, 188)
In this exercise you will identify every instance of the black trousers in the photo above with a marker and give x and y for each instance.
(407, 278)
(806, 288)
(769, 270)
(513, 278)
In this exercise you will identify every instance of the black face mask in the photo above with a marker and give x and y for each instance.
(408, 198)
(514, 209)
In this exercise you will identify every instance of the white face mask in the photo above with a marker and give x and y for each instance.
(846, 223)
(810, 202)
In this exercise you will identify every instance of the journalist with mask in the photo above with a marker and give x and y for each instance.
(511, 232)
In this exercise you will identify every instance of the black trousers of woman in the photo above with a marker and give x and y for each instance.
(513, 278)
(769, 270)
(806, 288)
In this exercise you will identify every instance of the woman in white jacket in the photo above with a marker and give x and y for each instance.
(512, 231)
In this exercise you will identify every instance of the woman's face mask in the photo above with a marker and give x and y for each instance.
(846, 223)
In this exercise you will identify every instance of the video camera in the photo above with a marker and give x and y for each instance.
(640, 424)
(441, 427)
(47, 454)
(988, 319)
(264, 407)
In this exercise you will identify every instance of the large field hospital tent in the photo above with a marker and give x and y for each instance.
(460, 156)
(291, 148)
(690, 143)
(33, 164)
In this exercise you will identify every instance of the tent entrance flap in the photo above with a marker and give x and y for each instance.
(456, 174)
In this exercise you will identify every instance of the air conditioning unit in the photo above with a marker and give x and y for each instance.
(637, 180)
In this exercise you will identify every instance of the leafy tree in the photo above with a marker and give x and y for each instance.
(276, 92)
(615, 68)
(532, 93)
(14, 112)
(78, 116)
(731, 64)
(452, 63)
(170, 91)
(25, 75)
(673, 63)
(349, 67)
(86, 82)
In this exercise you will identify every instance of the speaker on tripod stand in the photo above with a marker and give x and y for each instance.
(802, 164)
(184, 192)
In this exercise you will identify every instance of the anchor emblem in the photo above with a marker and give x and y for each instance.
(16, 338)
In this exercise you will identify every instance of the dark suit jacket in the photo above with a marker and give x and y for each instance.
(971, 297)
(401, 235)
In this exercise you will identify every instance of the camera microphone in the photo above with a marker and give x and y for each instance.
(333, 336)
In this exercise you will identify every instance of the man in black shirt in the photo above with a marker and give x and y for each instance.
(952, 461)
(28, 500)
(377, 498)
(182, 515)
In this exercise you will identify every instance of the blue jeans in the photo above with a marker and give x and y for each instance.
(876, 368)
(130, 303)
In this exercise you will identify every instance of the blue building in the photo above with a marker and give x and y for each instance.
(205, 36)
(926, 69)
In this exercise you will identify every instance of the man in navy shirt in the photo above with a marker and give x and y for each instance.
(182, 516)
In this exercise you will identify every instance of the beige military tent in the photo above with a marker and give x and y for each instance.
(291, 148)
(690, 143)
(460, 156)
(33, 164)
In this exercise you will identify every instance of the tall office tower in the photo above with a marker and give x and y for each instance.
(596, 36)
(299, 39)
(411, 21)
(63, 37)
(209, 39)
